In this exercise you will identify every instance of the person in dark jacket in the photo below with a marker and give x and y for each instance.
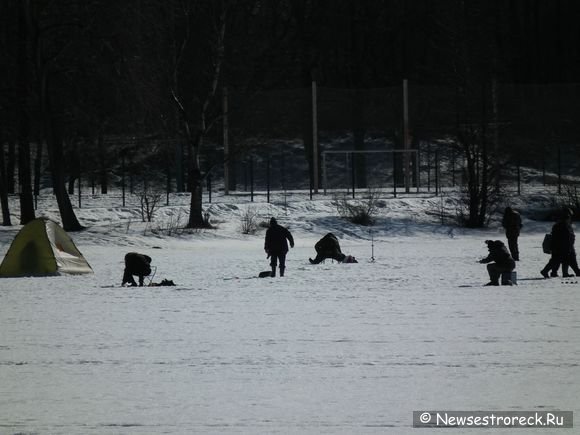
(136, 264)
(512, 222)
(563, 251)
(499, 260)
(327, 247)
(276, 245)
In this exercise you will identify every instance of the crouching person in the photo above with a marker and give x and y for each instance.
(500, 261)
(136, 264)
(327, 247)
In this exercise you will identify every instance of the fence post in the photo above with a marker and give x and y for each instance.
(519, 179)
(324, 171)
(123, 176)
(559, 169)
(314, 181)
(352, 172)
(209, 187)
(251, 178)
(394, 175)
(436, 172)
(268, 179)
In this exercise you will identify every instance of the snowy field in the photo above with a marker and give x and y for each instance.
(328, 349)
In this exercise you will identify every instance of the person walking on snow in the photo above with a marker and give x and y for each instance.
(563, 252)
(512, 222)
(276, 245)
(500, 261)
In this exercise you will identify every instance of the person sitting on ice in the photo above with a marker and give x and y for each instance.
(136, 264)
(500, 261)
(328, 247)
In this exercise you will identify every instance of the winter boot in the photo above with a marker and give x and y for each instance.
(282, 271)
(273, 274)
(544, 273)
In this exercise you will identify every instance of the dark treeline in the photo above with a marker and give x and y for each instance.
(89, 83)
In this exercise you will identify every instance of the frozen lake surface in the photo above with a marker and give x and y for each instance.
(338, 349)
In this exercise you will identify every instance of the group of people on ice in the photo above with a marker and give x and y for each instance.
(275, 245)
(501, 261)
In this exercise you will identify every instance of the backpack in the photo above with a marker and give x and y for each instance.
(547, 244)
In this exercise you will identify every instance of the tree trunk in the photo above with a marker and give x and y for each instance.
(103, 177)
(10, 166)
(3, 192)
(38, 166)
(67, 214)
(26, 199)
(196, 210)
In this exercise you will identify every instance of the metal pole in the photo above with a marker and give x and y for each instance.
(324, 171)
(406, 141)
(252, 179)
(352, 173)
(209, 187)
(314, 182)
(268, 180)
(226, 142)
(519, 179)
(436, 172)
(123, 177)
(559, 169)
(394, 175)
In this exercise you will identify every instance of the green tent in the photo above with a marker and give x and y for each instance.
(43, 248)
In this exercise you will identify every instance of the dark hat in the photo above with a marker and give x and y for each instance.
(488, 242)
(273, 221)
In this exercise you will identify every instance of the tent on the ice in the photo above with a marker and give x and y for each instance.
(43, 248)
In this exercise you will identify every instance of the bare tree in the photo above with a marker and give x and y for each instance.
(198, 121)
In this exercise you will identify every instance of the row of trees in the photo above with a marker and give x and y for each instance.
(78, 72)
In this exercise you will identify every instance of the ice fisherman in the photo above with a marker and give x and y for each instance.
(136, 264)
(328, 247)
(512, 223)
(499, 260)
(563, 251)
(276, 245)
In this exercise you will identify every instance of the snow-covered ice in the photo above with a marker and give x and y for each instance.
(331, 348)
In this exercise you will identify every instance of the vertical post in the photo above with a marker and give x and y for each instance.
(406, 141)
(209, 187)
(226, 142)
(251, 178)
(519, 178)
(559, 169)
(436, 172)
(123, 176)
(394, 175)
(453, 167)
(544, 169)
(352, 173)
(168, 182)
(268, 179)
(324, 180)
(418, 170)
(314, 139)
